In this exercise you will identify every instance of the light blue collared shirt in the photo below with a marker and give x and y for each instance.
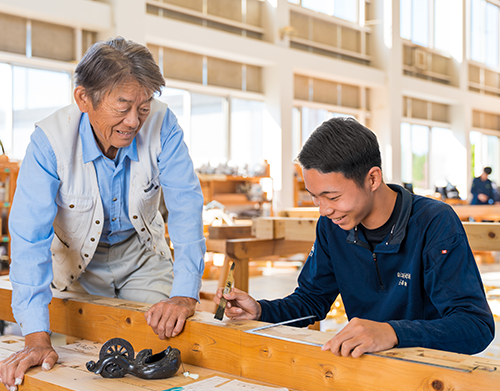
(34, 209)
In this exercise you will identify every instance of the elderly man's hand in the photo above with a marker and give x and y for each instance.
(167, 317)
(37, 351)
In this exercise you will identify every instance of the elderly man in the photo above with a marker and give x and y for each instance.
(401, 262)
(85, 215)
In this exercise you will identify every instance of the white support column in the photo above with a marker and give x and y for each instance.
(278, 85)
(275, 17)
(386, 102)
(128, 20)
(278, 91)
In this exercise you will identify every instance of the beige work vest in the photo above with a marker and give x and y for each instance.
(79, 219)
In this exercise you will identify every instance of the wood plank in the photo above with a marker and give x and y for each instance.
(256, 248)
(226, 347)
(230, 232)
(288, 228)
(300, 212)
(483, 236)
(478, 212)
(263, 228)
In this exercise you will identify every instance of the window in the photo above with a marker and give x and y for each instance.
(208, 141)
(246, 145)
(35, 94)
(415, 155)
(484, 32)
(484, 151)
(414, 21)
(430, 155)
(306, 120)
(416, 24)
(219, 129)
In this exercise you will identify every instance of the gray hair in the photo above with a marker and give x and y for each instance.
(107, 64)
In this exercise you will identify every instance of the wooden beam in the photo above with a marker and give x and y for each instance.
(483, 236)
(300, 212)
(227, 347)
(230, 232)
(478, 212)
(288, 228)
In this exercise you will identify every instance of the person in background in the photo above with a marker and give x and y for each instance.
(484, 191)
(85, 214)
(401, 262)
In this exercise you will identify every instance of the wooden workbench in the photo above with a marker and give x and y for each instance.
(284, 357)
(70, 373)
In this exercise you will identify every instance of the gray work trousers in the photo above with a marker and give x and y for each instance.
(127, 270)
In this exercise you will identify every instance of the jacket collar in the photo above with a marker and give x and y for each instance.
(398, 232)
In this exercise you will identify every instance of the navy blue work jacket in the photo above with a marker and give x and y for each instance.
(422, 280)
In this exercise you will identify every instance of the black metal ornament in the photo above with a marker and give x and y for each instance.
(116, 359)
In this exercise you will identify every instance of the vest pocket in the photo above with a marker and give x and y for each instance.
(150, 198)
(73, 213)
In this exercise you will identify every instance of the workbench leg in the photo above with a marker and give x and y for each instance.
(241, 274)
(224, 271)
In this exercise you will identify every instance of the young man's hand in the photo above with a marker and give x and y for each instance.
(362, 336)
(37, 351)
(240, 305)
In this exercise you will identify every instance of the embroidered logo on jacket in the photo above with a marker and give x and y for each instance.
(404, 278)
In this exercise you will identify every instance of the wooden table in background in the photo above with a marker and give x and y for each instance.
(478, 212)
(239, 246)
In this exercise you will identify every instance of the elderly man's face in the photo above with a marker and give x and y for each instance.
(119, 116)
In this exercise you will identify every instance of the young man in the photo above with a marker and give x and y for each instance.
(484, 191)
(401, 262)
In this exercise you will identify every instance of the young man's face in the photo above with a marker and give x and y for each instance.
(338, 198)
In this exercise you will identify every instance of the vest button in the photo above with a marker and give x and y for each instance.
(71, 206)
(92, 239)
(86, 255)
(162, 253)
(114, 199)
(72, 277)
(135, 217)
(143, 229)
(79, 266)
(97, 222)
(149, 239)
